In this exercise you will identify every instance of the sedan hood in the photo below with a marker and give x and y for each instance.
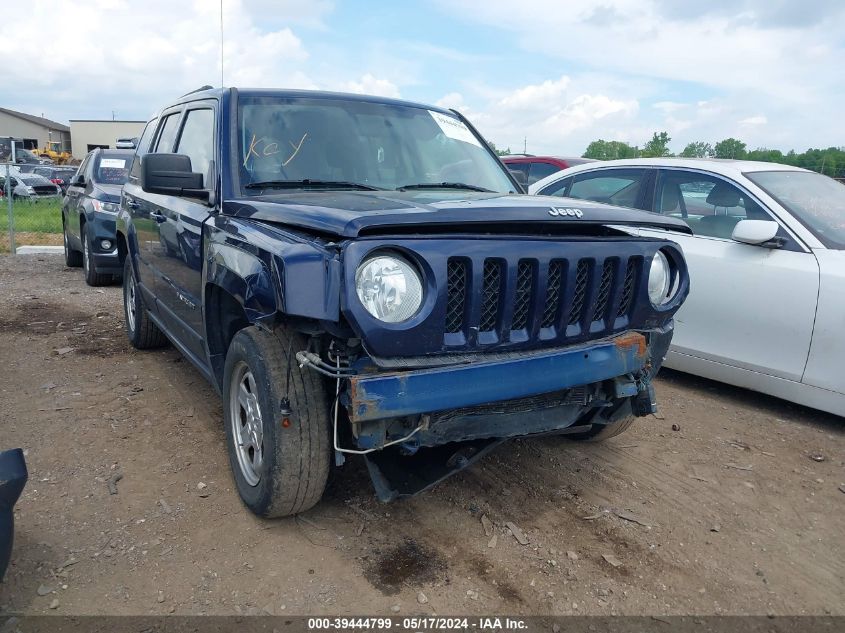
(358, 213)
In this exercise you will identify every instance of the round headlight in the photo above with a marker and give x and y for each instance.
(389, 288)
(659, 280)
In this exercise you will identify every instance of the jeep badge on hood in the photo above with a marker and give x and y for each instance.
(562, 211)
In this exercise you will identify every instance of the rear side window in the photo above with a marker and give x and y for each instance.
(197, 140)
(167, 136)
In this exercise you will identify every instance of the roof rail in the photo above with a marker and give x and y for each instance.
(200, 89)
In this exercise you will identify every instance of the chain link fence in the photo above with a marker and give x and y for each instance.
(30, 210)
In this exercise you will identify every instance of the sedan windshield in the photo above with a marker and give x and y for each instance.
(818, 202)
(318, 144)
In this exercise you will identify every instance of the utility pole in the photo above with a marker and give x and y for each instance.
(524, 144)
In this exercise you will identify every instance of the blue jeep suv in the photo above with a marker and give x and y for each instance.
(362, 276)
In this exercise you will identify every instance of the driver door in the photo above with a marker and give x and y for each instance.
(749, 307)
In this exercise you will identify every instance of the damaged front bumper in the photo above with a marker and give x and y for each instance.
(419, 426)
(397, 394)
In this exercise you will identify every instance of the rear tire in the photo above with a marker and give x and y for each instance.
(280, 468)
(92, 277)
(73, 258)
(141, 331)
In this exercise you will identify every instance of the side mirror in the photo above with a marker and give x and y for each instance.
(171, 175)
(78, 180)
(757, 233)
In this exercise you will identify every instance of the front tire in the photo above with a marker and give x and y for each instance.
(141, 331)
(280, 464)
(92, 277)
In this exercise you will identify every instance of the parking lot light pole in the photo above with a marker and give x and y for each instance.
(11, 212)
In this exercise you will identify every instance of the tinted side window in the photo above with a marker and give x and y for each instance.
(611, 186)
(197, 140)
(538, 171)
(143, 148)
(83, 166)
(167, 136)
(710, 205)
(558, 188)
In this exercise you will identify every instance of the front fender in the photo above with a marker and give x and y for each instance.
(246, 277)
(271, 271)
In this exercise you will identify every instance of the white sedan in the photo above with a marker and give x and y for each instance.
(766, 309)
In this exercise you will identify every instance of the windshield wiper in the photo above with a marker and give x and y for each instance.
(443, 185)
(308, 183)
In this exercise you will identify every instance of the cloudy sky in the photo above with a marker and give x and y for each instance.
(559, 74)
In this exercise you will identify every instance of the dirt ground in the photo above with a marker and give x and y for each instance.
(717, 505)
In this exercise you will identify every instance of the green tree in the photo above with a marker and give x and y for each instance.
(766, 155)
(610, 150)
(658, 145)
(730, 148)
(499, 152)
(697, 149)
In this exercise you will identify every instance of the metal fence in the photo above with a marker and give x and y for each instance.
(30, 215)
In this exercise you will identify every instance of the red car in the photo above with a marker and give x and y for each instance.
(529, 169)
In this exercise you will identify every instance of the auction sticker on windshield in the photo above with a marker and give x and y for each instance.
(454, 128)
(115, 163)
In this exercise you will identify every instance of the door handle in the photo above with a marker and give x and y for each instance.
(131, 204)
(158, 217)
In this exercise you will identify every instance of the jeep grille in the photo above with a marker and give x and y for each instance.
(564, 298)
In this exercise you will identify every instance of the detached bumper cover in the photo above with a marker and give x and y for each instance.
(392, 395)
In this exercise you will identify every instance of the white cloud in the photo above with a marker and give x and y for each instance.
(734, 55)
(452, 100)
(370, 85)
(754, 120)
(122, 54)
(669, 107)
(557, 116)
(536, 97)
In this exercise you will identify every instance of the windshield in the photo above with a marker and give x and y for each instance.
(817, 201)
(112, 169)
(341, 143)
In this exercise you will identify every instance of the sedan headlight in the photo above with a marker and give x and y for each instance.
(105, 207)
(660, 289)
(389, 287)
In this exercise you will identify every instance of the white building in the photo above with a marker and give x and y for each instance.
(88, 134)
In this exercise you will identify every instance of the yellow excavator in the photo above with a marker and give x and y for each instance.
(53, 151)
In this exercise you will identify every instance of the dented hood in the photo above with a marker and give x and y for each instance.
(359, 213)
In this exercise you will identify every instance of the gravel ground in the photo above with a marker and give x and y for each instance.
(726, 502)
